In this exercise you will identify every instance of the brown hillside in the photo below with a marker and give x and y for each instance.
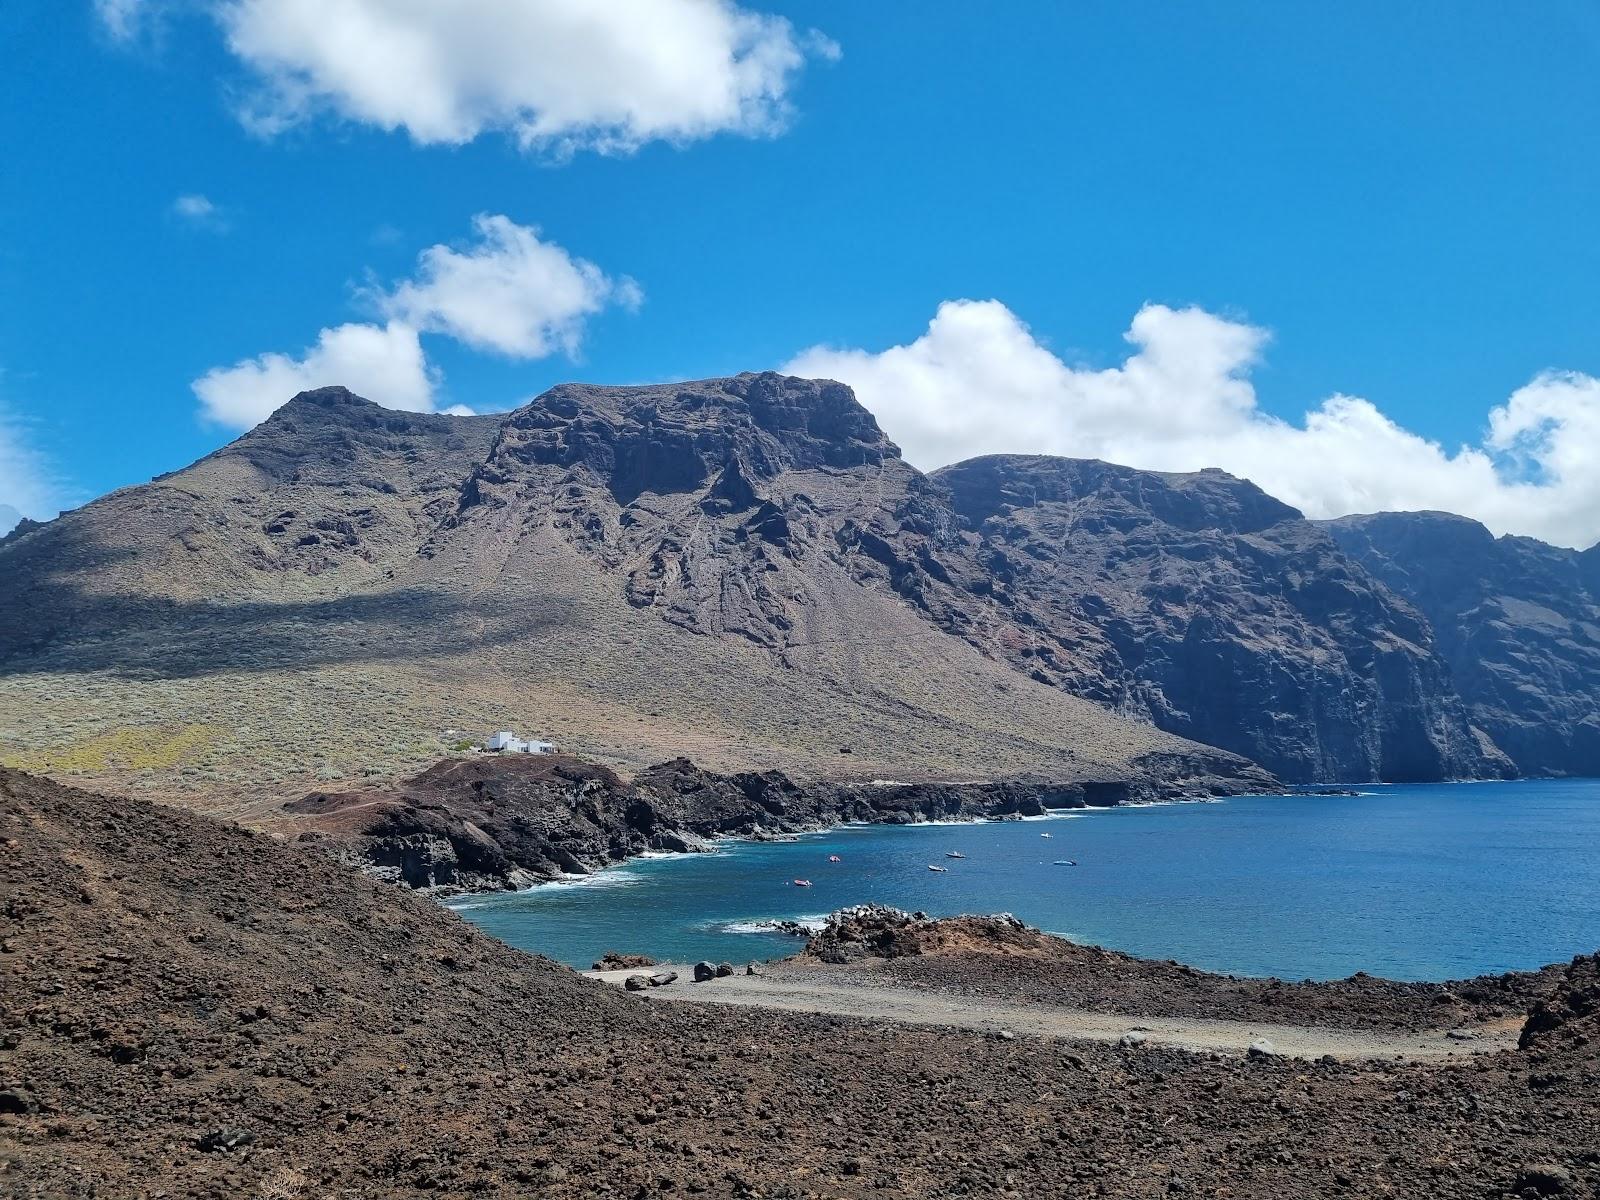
(193, 1010)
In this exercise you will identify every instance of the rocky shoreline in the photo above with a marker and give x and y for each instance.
(197, 1010)
(999, 959)
(498, 823)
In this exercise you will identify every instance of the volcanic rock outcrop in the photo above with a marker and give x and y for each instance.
(491, 823)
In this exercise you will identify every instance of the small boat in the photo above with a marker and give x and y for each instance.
(954, 854)
(1045, 835)
(801, 882)
(1065, 862)
(941, 870)
(834, 858)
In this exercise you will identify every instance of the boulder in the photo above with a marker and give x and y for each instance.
(704, 971)
(752, 969)
(662, 978)
(636, 983)
(1261, 1048)
(228, 1137)
(724, 970)
(612, 961)
(1543, 1179)
(1132, 1040)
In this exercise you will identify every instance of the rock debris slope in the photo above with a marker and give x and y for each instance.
(191, 1010)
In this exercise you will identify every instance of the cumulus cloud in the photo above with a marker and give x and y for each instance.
(200, 212)
(979, 382)
(555, 75)
(384, 363)
(508, 291)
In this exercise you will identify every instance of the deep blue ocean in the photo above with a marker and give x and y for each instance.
(1432, 882)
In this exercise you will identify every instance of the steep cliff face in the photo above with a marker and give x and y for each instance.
(1517, 620)
(1200, 603)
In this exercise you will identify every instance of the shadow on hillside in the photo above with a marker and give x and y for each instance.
(161, 638)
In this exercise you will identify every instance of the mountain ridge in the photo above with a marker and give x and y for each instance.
(743, 570)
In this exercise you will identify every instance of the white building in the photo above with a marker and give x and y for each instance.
(506, 742)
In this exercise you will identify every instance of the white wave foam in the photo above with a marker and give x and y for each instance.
(812, 922)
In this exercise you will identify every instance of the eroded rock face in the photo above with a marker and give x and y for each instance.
(1200, 603)
(1517, 620)
(491, 823)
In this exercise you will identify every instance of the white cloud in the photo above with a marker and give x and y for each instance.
(979, 382)
(200, 212)
(27, 484)
(384, 363)
(458, 410)
(510, 292)
(555, 75)
(122, 19)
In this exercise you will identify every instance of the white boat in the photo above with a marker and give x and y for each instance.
(941, 870)
(954, 854)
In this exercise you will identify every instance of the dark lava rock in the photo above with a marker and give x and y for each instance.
(1571, 1015)
(724, 970)
(636, 983)
(493, 822)
(704, 972)
(612, 961)
(1543, 1179)
(18, 1103)
(227, 1137)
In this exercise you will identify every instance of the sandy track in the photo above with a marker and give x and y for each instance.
(913, 1007)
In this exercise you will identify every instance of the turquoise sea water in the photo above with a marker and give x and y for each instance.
(1432, 882)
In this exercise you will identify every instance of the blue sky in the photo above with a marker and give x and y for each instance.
(1394, 203)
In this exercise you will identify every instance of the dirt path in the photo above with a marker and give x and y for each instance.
(929, 1008)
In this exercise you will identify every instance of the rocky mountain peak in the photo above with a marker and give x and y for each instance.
(676, 437)
(1211, 499)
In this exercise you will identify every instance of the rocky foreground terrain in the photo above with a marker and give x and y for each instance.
(744, 570)
(192, 1009)
(489, 823)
